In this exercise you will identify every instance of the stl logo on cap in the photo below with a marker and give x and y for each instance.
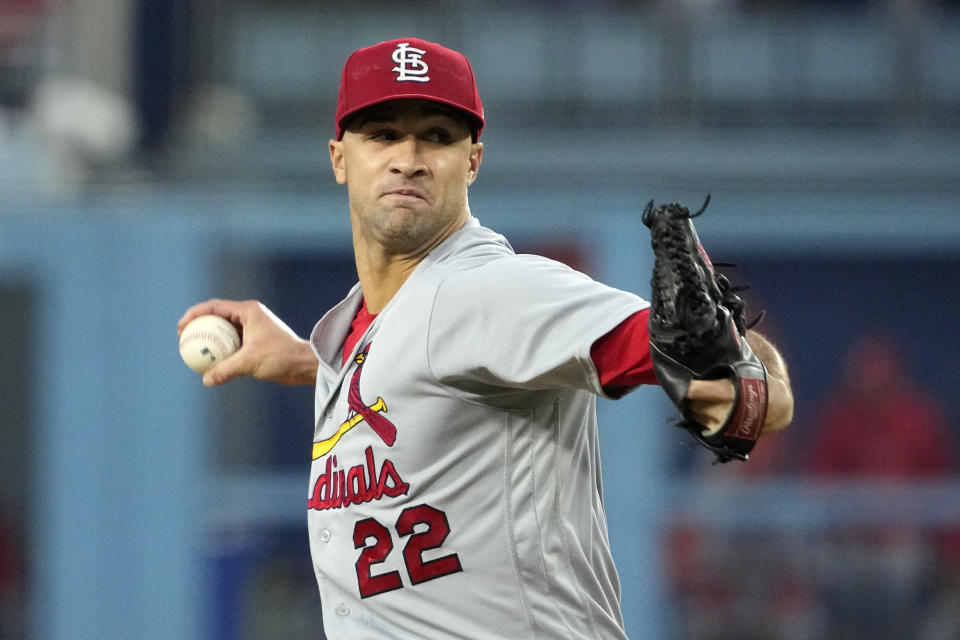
(410, 67)
(397, 70)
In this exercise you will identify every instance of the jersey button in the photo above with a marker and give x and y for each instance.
(325, 535)
(342, 610)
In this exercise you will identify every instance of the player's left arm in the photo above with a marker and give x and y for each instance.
(712, 400)
(622, 360)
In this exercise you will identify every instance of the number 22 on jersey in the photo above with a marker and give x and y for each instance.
(425, 527)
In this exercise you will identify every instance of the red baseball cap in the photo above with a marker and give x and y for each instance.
(408, 68)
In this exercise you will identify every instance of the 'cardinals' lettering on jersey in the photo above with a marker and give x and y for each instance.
(455, 477)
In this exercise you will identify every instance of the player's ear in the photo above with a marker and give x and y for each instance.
(336, 161)
(476, 156)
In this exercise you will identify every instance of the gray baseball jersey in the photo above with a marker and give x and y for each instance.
(455, 484)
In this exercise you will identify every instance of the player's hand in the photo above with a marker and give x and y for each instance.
(270, 350)
(710, 402)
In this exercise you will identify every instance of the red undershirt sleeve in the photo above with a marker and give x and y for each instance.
(622, 356)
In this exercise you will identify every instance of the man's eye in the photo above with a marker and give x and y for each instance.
(438, 136)
(383, 134)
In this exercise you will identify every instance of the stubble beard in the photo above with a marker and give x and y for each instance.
(402, 231)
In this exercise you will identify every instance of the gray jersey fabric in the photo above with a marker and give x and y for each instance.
(455, 486)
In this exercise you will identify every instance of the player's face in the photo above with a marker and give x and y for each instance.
(407, 165)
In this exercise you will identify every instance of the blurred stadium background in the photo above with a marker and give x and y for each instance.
(154, 153)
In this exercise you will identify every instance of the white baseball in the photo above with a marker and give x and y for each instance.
(207, 340)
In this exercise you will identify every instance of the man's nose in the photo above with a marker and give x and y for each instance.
(407, 159)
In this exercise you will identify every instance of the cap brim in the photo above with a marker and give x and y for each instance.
(475, 122)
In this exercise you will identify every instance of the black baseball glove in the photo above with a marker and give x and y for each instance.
(697, 330)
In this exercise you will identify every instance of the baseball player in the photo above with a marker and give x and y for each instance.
(454, 490)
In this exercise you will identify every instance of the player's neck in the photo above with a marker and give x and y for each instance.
(381, 276)
(383, 272)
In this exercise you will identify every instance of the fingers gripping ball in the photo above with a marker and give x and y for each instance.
(207, 340)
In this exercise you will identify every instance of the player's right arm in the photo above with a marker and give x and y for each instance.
(270, 350)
